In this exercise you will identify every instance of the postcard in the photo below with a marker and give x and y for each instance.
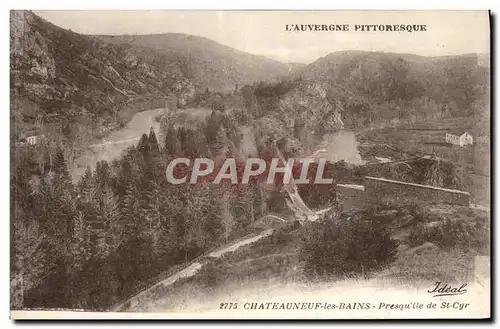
(250, 164)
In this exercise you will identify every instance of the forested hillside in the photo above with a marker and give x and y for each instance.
(385, 88)
(360, 90)
(91, 244)
(206, 63)
(67, 81)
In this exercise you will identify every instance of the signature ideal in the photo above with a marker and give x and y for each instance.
(443, 289)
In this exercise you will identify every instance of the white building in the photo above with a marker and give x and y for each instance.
(461, 140)
(30, 140)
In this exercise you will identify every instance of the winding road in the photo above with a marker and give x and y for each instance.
(148, 295)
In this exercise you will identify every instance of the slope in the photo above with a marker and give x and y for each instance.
(207, 63)
(60, 77)
(378, 87)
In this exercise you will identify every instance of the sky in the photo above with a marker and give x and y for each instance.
(264, 32)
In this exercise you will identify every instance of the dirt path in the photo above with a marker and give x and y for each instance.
(148, 295)
(295, 202)
(479, 207)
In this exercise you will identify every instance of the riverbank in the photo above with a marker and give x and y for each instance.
(111, 147)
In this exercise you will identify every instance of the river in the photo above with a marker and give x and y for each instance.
(112, 146)
(341, 145)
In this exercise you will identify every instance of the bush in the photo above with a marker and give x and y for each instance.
(465, 234)
(213, 274)
(347, 247)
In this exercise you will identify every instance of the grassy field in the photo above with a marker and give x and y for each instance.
(275, 264)
(409, 141)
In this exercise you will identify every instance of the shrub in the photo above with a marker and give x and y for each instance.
(347, 247)
(212, 274)
(465, 234)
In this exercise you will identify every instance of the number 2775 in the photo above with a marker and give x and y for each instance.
(228, 306)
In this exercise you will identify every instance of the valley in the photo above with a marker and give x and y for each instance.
(112, 146)
(273, 270)
(428, 138)
(100, 228)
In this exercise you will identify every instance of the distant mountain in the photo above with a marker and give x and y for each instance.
(359, 90)
(206, 63)
(294, 67)
(484, 60)
(373, 87)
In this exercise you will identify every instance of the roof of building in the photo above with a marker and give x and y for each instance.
(417, 185)
(30, 133)
(353, 186)
(457, 132)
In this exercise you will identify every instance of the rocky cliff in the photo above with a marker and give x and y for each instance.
(360, 90)
(297, 111)
(379, 89)
(60, 77)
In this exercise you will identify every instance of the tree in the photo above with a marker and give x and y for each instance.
(258, 202)
(80, 246)
(60, 167)
(109, 214)
(346, 247)
(153, 142)
(59, 199)
(172, 143)
(143, 145)
(131, 208)
(212, 225)
(227, 219)
(87, 187)
(221, 144)
(29, 263)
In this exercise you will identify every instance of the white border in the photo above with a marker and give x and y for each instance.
(184, 4)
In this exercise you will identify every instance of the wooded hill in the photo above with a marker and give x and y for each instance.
(206, 63)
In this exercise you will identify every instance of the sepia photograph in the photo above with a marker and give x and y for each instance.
(190, 164)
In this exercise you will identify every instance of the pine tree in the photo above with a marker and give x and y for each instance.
(155, 218)
(62, 188)
(80, 247)
(60, 167)
(172, 144)
(109, 215)
(192, 144)
(227, 219)
(212, 225)
(153, 143)
(130, 206)
(212, 128)
(102, 175)
(172, 207)
(87, 186)
(259, 206)
(143, 145)
(241, 205)
(221, 145)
